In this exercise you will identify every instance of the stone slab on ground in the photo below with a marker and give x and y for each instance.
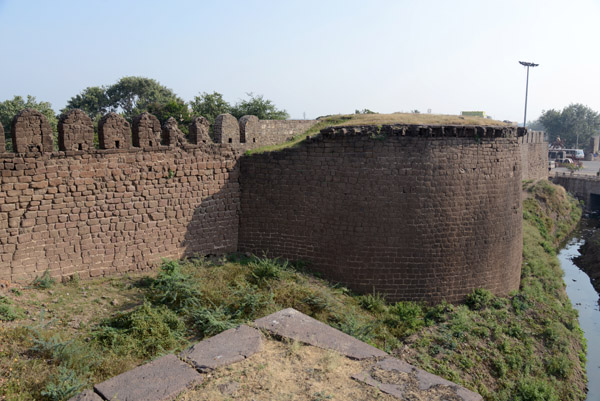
(159, 380)
(400, 379)
(87, 395)
(230, 346)
(296, 325)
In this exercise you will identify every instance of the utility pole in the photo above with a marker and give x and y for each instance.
(526, 64)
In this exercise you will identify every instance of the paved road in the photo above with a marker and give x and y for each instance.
(589, 168)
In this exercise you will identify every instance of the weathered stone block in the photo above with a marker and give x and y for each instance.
(114, 132)
(158, 380)
(249, 129)
(230, 346)
(31, 132)
(226, 129)
(75, 131)
(199, 131)
(295, 325)
(171, 134)
(146, 131)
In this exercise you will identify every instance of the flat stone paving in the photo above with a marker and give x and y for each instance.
(161, 379)
(230, 346)
(295, 325)
(164, 378)
(400, 385)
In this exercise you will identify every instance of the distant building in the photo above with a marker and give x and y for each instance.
(473, 113)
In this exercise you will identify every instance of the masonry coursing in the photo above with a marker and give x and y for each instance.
(412, 215)
(422, 213)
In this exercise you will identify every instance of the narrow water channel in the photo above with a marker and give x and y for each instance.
(585, 299)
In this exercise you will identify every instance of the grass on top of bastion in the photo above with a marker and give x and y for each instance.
(57, 339)
(379, 119)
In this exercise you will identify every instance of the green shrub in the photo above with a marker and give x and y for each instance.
(144, 332)
(44, 281)
(265, 269)
(63, 385)
(373, 302)
(7, 310)
(559, 366)
(479, 299)
(528, 389)
(213, 321)
(174, 289)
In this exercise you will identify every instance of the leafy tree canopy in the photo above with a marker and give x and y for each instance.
(173, 108)
(93, 100)
(575, 124)
(130, 95)
(260, 107)
(210, 106)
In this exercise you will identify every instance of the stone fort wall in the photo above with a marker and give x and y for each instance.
(415, 213)
(534, 155)
(423, 213)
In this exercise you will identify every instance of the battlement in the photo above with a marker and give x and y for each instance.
(427, 131)
(414, 212)
(32, 133)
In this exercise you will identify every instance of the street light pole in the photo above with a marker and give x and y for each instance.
(526, 64)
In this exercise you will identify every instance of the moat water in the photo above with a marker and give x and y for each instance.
(585, 299)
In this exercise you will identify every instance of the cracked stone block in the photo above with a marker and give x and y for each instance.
(171, 134)
(402, 380)
(159, 380)
(199, 131)
(296, 325)
(230, 346)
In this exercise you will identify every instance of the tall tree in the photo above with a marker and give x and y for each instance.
(93, 100)
(575, 124)
(133, 95)
(260, 107)
(130, 95)
(209, 106)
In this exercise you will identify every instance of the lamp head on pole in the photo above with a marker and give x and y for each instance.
(527, 64)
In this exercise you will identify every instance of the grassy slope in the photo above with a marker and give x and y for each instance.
(379, 119)
(524, 347)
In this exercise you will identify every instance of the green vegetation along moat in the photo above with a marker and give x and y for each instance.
(57, 339)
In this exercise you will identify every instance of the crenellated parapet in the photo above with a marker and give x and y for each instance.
(31, 132)
(199, 131)
(226, 129)
(75, 131)
(114, 132)
(146, 131)
(171, 134)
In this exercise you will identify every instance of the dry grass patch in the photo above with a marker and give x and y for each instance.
(414, 118)
(287, 371)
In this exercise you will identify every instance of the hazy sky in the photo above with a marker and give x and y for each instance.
(314, 57)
